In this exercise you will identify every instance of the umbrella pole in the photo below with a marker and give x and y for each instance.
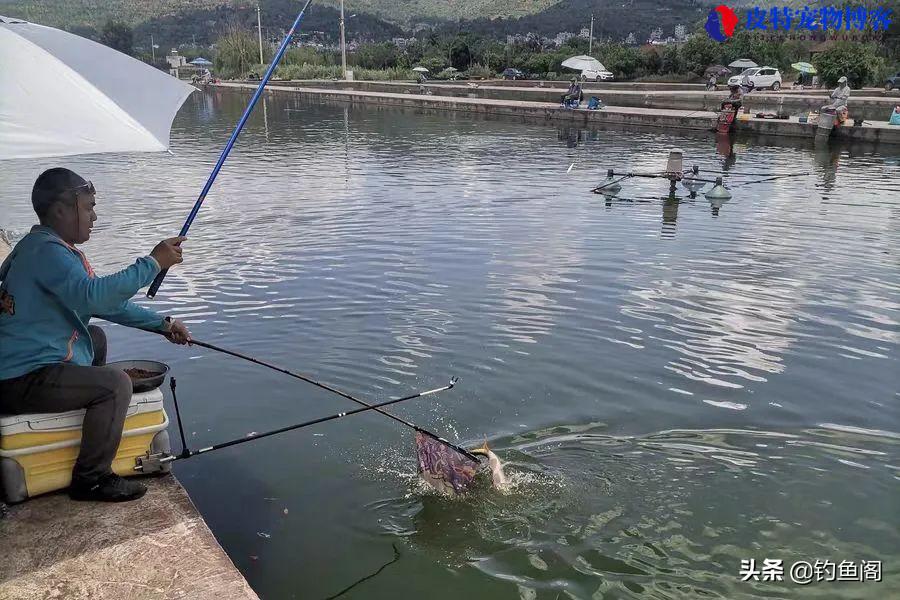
(157, 282)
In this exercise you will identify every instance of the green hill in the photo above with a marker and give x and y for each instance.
(412, 11)
(93, 13)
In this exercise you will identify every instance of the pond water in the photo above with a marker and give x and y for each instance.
(674, 386)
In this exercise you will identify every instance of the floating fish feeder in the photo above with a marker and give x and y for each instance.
(610, 186)
(674, 172)
(718, 192)
(692, 182)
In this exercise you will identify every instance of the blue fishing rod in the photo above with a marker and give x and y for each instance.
(154, 287)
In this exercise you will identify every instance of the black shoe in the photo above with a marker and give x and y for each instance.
(109, 488)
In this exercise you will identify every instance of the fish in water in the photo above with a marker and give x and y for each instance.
(442, 467)
(494, 464)
(451, 472)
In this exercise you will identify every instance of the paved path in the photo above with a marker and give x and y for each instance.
(155, 548)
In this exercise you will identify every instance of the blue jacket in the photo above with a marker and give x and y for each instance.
(48, 294)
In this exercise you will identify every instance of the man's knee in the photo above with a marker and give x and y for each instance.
(117, 383)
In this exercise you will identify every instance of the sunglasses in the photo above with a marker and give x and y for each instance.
(87, 187)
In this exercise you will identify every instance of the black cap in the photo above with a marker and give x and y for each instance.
(50, 186)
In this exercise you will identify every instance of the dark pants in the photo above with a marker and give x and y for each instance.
(104, 391)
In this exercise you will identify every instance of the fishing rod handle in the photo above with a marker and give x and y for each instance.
(157, 281)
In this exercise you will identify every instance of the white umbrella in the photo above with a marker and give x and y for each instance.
(420, 69)
(65, 95)
(743, 63)
(583, 63)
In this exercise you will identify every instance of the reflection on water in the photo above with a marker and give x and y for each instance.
(676, 384)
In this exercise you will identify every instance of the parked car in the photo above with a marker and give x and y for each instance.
(512, 74)
(761, 77)
(892, 83)
(592, 75)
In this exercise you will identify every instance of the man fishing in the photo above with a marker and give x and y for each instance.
(839, 96)
(573, 94)
(51, 359)
(735, 98)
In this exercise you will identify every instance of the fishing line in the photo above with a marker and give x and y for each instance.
(768, 179)
(324, 386)
(327, 387)
(744, 173)
(367, 577)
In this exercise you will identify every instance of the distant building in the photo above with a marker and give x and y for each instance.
(585, 33)
(176, 60)
(631, 40)
(656, 36)
(177, 63)
(562, 37)
(680, 33)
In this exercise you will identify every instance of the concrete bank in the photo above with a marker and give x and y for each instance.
(697, 120)
(155, 548)
(530, 111)
(873, 108)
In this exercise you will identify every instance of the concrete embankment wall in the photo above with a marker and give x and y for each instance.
(529, 111)
(697, 120)
(872, 108)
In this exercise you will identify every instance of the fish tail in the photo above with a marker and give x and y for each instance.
(483, 451)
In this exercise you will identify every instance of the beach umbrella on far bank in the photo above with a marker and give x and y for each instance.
(65, 95)
(420, 69)
(583, 63)
(804, 67)
(743, 63)
(201, 62)
(717, 69)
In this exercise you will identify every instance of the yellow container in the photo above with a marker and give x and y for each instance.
(38, 451)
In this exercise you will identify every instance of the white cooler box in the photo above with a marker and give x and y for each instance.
(38, 451)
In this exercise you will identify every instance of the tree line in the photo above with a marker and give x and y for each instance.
(481, 56)
(235, 52)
